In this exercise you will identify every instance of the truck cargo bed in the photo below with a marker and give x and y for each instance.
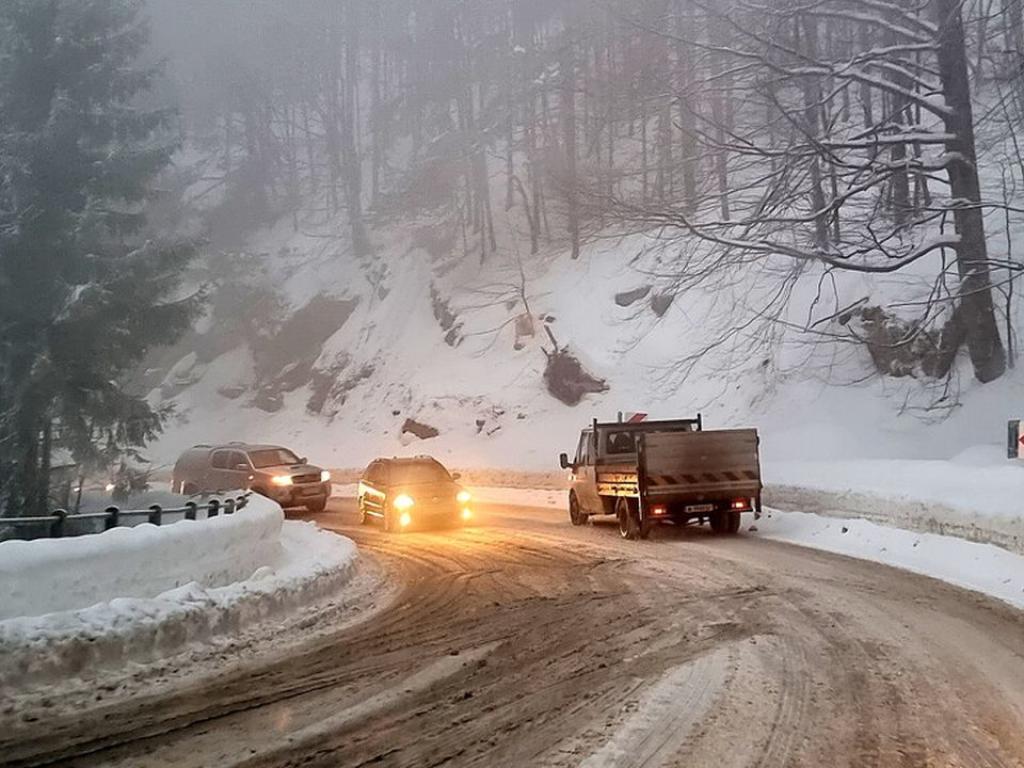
(716, 463)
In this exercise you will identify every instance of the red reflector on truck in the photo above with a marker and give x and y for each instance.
(658, 510)
(741, 504)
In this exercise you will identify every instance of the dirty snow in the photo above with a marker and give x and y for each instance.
(985, 568)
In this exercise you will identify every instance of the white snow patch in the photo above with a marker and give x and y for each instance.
(979, 479)
(981, 567)
(309, 565)
(47, 575)
(976, 496)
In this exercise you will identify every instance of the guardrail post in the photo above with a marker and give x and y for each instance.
(113, 518)
(229, 506)
(214, 508)
(190, 510)
(155, 514)
(57, 526)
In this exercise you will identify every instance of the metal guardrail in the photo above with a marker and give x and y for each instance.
(114, 517)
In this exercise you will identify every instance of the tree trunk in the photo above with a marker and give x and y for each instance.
(716, 35)
(687, 117)
(983, 342)
(568, 108)
(376, 124)
(352, 162)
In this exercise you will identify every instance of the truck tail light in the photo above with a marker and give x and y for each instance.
(659, 509)
(740, 504)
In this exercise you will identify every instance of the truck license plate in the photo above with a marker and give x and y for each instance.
(700, 508)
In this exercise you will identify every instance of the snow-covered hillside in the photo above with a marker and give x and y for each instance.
(308, 346)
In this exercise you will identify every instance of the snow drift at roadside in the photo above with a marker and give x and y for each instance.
(303, 566)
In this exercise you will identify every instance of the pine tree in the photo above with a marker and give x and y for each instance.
(82, 294)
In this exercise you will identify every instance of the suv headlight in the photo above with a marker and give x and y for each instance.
(403, 501)
(282, 481)
(325, 476)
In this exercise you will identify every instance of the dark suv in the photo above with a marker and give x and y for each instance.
(271, 470)
(414, 492)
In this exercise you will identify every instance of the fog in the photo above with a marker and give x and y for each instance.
(575, 205)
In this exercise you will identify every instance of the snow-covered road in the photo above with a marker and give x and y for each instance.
(525, 641)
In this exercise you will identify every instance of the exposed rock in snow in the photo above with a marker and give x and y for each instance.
(626, 298)
(422, 431)
(567, 380)
(660, 302)
(446, 318)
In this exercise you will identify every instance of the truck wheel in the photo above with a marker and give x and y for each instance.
(726, 522)
(732, 522)
(577, 516)
(629, 519)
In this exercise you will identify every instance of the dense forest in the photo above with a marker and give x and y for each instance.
(797, 140)
(837, 135)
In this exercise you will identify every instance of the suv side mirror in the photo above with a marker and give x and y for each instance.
(456, 475)
(303, 460)
(563, 460)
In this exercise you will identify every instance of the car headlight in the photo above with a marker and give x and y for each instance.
(463, 497)
(282, 480)
(325, 476)
(466, 514)
(405, 520)
(403, 501)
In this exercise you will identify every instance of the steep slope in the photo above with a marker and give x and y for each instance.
(308, 346)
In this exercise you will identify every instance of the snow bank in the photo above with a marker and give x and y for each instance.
(981, 567)
(976, 496)
(310, 564)
(47, 575)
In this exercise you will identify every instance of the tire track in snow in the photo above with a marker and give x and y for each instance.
(652, 728)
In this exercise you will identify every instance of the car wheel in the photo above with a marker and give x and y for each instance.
(189, 489)
(364, 519)
(576, 515)
(629, 522)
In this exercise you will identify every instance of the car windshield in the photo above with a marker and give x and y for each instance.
(418, 474)
(272, 457)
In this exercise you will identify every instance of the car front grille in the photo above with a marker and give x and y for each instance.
(300, 479)
(436, 503)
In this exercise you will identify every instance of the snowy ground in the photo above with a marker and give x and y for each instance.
(982, 567)
(980, 479)
(128, 626)
(56, 575)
